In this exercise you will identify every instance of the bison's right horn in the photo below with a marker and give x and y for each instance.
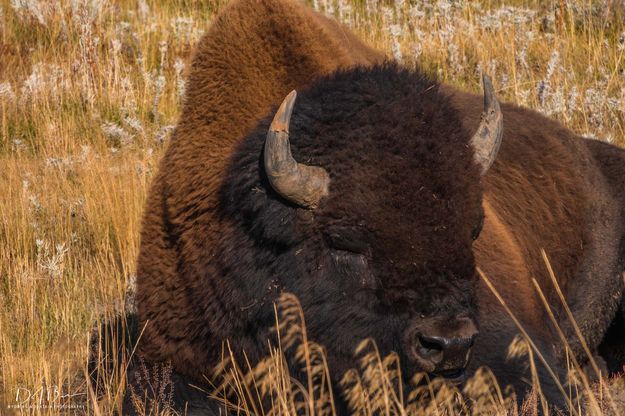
(304, 185)
(487, 138)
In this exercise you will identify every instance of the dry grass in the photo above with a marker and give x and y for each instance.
(88, 93)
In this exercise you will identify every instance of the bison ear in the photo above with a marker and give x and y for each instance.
(301, 184)
(487, 138)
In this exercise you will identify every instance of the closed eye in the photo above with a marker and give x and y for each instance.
(354, 266)
(347, 238)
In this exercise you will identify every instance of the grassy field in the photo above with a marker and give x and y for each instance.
(90, 90)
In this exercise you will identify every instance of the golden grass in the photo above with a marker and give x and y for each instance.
(89, 91)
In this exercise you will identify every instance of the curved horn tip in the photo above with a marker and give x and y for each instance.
(487, 81)
(487, 139)
(490, 98)
(299, 183)
(283, 116)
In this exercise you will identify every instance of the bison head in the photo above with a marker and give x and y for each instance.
(373, 228)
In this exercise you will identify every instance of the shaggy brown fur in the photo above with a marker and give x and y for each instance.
(545, 190)
(253, 55)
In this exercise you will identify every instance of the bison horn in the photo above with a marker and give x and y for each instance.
(301, 184)
(487, 139)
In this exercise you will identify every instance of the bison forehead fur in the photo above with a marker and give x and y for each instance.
(400, 167)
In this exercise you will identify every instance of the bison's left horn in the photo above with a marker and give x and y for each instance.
(302, 184)
(487, 139)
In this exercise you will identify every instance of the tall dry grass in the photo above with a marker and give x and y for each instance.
(89, 91)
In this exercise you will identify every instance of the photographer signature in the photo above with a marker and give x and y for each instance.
(45, 397)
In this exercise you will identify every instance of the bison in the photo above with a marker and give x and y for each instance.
(375, 194)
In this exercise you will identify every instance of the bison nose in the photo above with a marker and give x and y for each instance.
(444, 351)
(442, 347)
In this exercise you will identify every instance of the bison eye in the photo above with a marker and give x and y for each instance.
(346, 238)
(477, 230)
(354, 267)
(350, 249)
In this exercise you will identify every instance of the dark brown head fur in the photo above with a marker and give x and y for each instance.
(405, 197)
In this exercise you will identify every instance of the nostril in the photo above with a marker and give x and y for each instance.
(430, 343)
(441, 345)
(430, 348)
